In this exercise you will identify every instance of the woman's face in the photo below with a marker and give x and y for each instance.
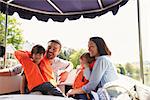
(93, 49)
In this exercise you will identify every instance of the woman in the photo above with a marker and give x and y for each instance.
(103, 71)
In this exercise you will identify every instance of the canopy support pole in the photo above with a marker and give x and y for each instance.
(140, 42)
(5, 37)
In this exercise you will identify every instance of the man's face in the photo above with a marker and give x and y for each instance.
(52, 50)
(37, 58)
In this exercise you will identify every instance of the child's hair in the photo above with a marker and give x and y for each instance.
(87, 56)
(38, 49)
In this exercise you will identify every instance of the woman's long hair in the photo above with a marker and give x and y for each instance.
(101, 46)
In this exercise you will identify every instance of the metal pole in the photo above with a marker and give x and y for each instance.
(5, 37)
(140, 42)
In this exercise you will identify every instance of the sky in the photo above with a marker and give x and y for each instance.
(120, 32)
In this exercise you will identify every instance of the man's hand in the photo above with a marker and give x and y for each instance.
(63, 76)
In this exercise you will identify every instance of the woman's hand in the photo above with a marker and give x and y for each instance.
(75, 91)
(86, 65)
(71, 92)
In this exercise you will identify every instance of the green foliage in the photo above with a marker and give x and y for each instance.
(14, 35)
(147, 70)
(71, 55)
(132, 70)
(121, 69)
(65, 53)
(74, 57)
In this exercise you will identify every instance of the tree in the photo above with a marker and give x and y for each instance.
(121, 69)
(71, 55)
(133, 70)
(74, 57)
(14, 35)
(65, 53)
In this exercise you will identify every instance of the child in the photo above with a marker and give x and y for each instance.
(37, 53)
(84, 70)
(83, 74)
(34, 66)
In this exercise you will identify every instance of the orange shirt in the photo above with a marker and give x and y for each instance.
(35, 75)
(47, 71)
(80, 80)
(31, 70)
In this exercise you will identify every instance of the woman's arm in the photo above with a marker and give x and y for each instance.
(87, 73)
(75, 91)
(97, 73)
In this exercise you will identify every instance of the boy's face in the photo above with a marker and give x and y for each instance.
(37, 58)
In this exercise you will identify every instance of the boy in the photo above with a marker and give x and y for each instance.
(37, 53)
(34, 66)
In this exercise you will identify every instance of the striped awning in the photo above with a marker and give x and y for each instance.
(59, 10)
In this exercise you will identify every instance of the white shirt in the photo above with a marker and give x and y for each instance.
(58, 65)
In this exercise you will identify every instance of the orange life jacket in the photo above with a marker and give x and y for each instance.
(35, 75)
(80, 80)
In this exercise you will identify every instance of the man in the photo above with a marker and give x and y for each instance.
(61, 67)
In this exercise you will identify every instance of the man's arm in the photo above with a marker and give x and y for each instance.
(11, 71)
(5, 72)
(69, 67)
(65, 73)
(61, 68)
(16, 70)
